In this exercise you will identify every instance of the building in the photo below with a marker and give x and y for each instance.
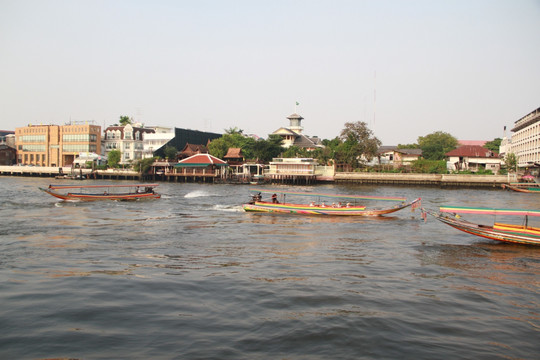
(525, 140)
(127, 139)
(190, 150)
(154, 141)
(395, 157)
(293, 135)
(473, 158)
(182, 137)
(8, 155)
(56, 145)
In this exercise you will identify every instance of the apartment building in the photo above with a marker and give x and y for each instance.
(525, 141)
(56, 145)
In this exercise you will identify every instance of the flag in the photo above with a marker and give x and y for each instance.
(297, 103)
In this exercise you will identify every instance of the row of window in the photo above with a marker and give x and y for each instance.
(32, 148)
(79, 148)
(32, 138)
(79, 138)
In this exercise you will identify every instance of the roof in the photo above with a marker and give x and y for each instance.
(472, 151)
(294, 116)
(417, 152)
(472, 142)
(193, 148)
(200, 160)
(234, 153)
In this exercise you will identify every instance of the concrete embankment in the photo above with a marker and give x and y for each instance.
(442, 180)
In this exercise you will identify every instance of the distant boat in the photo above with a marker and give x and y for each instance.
(522, 234)
(321, 208)
(103, 192)
(523, 187)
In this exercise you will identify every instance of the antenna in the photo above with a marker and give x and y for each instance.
(374, 97)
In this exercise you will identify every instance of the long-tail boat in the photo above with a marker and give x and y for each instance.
(273, 205)
(103, 192)
(523, 187)
(522, 234)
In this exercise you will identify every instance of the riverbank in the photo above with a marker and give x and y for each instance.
(439, 180)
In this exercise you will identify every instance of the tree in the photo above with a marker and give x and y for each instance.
(493, 145)
(266, 150)
(434, 146)
(113, 158)
(511, 161)
(143, 165)
(170, 152)
(357, 140)
(124, 120)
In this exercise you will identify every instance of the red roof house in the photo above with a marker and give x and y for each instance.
(473, 158)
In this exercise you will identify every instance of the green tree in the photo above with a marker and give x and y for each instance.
(358, 140)
(493, 145)
(124, 120)
(408, 146)
(143, 166)
(113, 158)
(266, 150)
(511, 161)
(170, 152)
(434, 146)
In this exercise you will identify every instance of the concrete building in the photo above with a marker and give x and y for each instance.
(56, 145)
(525, 140)
(154, 141)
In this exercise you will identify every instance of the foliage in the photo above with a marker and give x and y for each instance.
(261, 149)
(265, 150)
(170, 152)
(434, 146)
(425, 166)
(143, 165)
(113, 158)
(357, 140)
(493, 145)
(511, 161)
(124, 120)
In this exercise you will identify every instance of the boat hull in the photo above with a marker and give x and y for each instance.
(97, 197)
(528, 189)
(500, 232)
(302, 209)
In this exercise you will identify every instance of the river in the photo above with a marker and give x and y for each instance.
(192, 276)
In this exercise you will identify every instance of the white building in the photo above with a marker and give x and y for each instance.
(155, 140)
(127, 139)
(525, 141)
(293, 135)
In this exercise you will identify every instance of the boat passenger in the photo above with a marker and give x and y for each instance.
(348, 205)
(274, 199)
(312, 203)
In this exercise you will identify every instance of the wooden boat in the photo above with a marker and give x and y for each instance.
(320, 208)
(522, 234)
(523, 187)
(103, 192)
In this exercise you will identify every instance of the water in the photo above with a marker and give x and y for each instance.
(192, 276)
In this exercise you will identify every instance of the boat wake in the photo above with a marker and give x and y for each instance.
(197, 193)
(228, 208)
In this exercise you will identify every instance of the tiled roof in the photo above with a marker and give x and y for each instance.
(234, 153)
(199, 159)
(473, 151)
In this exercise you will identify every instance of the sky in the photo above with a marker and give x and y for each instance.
(405, 68)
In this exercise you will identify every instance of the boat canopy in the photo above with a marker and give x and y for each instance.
(488, 211)
(301, 193)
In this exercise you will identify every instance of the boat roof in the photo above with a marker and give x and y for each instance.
(72, 186)
(488, 211)
(302, 193)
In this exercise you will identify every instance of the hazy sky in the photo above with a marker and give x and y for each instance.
(406, 68)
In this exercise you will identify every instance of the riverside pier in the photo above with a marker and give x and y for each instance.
(437, 180)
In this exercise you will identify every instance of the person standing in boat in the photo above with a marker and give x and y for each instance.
(274, 199)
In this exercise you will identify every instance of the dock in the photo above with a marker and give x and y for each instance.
(437, 180)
